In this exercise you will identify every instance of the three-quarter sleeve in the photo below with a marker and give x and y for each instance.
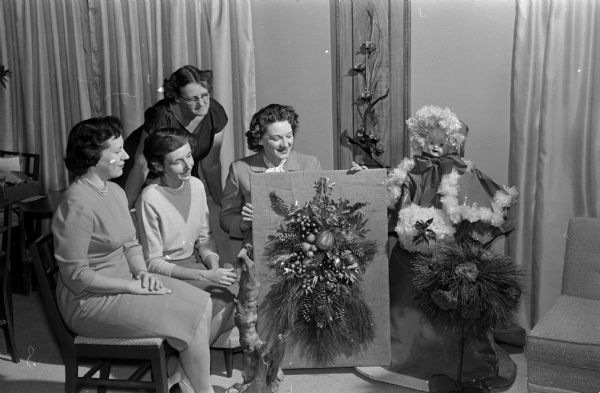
(72, 227)
(151, 238)
(231, 211)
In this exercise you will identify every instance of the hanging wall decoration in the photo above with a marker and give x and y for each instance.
(321, 261)
(318, 257)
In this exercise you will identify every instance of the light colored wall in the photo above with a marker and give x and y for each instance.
(293, 66)
(461, 58)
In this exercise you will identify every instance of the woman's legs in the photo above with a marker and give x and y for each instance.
(195, 359)
(223, 304)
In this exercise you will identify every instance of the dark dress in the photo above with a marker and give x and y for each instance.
(166, 113)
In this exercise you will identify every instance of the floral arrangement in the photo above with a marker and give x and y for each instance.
(318, 257)
(366, 137)
(467, 288)
(430, 117)
(4, 75)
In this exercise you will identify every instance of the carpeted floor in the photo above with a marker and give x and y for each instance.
(41, 371)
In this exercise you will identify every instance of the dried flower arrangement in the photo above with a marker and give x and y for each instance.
(318, 257)
(367, 137)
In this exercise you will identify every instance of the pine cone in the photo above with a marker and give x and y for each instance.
(305, 309)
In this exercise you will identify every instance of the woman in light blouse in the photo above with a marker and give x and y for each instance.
(173, 222)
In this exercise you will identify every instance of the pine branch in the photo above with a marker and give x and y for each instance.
(278, 205)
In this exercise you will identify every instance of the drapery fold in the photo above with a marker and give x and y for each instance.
(555, 140)
(44, 96)
(73, 59)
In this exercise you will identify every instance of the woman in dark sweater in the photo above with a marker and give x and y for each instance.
(187, 105)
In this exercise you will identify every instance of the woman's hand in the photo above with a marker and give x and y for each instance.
(247, 216)
(223, 277)
(356, 168)
(147, 284)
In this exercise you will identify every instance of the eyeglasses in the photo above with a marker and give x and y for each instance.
(205, 97)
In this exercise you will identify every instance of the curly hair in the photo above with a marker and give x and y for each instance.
(430, 117)
(183, 77)
(268, 115)
(162, 142)
(87, 139)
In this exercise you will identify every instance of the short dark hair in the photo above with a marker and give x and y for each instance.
(183, 77)
(162, 142)
(268, 115)
(86, 141)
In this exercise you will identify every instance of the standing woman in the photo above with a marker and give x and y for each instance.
(174, 227)
(104, 288)
(187, 105)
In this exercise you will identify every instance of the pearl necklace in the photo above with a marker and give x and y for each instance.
(103, 192)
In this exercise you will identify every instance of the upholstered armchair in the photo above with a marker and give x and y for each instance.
(563, 348)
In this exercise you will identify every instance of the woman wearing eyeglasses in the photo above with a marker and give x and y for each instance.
(187, 105)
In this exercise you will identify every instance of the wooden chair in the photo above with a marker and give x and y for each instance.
(27, 169)
(151, 352)
(6, 303)
(32, 217)
(30, 162)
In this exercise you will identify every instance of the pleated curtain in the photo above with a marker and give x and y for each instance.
(555, 137)
(74, 59)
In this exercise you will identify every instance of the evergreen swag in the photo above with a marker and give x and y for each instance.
(467, 288)
(318, 257)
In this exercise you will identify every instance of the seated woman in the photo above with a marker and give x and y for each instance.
(271, 136)
(187, 105)
(104, 287)
(174, 228)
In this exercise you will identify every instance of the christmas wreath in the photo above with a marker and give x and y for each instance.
(318, 257)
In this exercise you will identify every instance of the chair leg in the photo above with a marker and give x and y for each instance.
(70, 376)
(26, 274)
(228, 354)
(104, 374)
(159, 371)
(9, 328)
(25, 227)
